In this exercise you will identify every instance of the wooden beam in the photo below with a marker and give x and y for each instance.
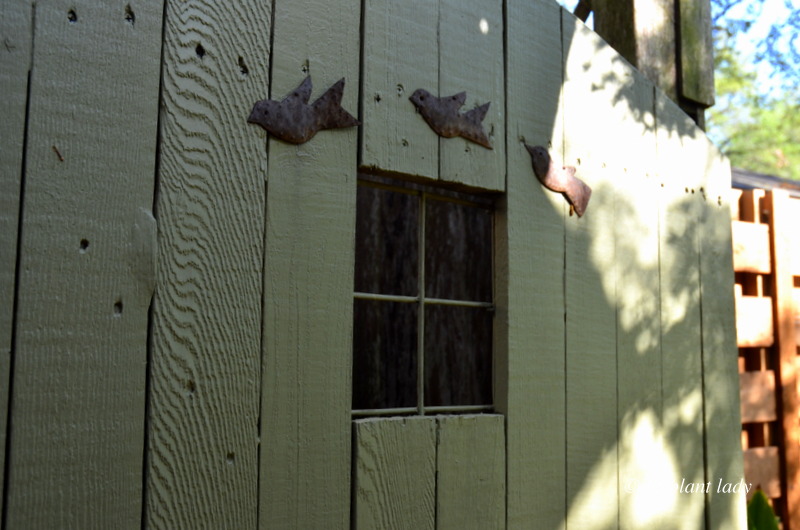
(754, 322)
(751, 247)
(781, 229)
(762, 470)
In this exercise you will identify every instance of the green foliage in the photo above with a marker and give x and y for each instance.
(760, 515)
(756, 132)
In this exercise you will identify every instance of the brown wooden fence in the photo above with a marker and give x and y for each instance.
(766, 249)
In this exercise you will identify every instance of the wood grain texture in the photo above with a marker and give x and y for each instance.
(593, 76)
(722, 419)
(470, 48)
(696, 51)
(401, 54)
(777, 202)
(77, 419)
(471, 472)
(395, 473)
(307, 352)
(529, 234)
(15, 59)
(204, 401)
(681, 164)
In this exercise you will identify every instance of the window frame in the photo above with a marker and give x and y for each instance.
(427, 192)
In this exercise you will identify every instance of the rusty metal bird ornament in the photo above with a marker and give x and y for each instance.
(443, 117)
(294, 121)
(560, 179)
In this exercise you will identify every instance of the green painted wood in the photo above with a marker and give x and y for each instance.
(401, 54)
(681, 166)
(722, 418)
(15, 57)
(471, 472)
(86, 268)
(204, 390)
(529, 260)
(394, 473)
(696, 51)
(308, 274)
(470, 51)
(593, 76)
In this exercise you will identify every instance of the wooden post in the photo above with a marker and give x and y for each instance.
(669, 43)
(786, 350)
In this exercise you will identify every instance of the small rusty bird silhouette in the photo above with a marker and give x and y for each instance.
(443, 117)
(293, 120)
(560, 179)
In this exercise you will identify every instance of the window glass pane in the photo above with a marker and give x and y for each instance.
(384, 354)
(458, 355)
(458, 251)
(387, 231)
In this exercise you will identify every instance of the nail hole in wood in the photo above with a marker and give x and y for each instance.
(230, 457)
(130, 17)
(190, 386)
(200, 51)
(243, 67)
(118, 308)
(84, 246)
(72, 16)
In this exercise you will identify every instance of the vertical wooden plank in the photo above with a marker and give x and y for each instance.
(204, 402)
(401, 54)
(86, 268)
(590, 83)
(15, 60)
(642, 457)
(721, 391)
(471, 472)
(529, 336)
(308, 300)
(681, 165)
(697, 52)
(470, 48)
(395, 473)
(781, 230)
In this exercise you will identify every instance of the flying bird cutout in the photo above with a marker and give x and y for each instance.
(560, 179)
(294, 121)
(442, 115)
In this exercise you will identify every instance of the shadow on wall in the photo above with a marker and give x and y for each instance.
(651, 393)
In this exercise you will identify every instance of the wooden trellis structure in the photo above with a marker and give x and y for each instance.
(767, 265)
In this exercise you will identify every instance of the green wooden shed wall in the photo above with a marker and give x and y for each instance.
(176, 287)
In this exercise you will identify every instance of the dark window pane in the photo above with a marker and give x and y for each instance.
(387, 231)
(458, 251)
(458, 355)
(384, 355)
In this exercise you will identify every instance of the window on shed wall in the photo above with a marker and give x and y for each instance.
(423, 309)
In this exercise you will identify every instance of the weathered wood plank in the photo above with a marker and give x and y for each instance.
(86, 267)
(761, 469)
(721, 413)
(529, 250)
(471, 472)
(751, 247)
(777, 202)
(206, 321)
(308, 299)
(15, 59)
(754, 321)
(680, 168)
(697, 53)
(470, 52)
(757, 396)
(591, 356)
(401, 54)
(395, 473)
